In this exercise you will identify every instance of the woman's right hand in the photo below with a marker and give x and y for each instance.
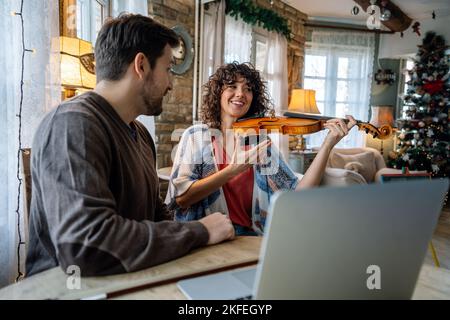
(245, 159)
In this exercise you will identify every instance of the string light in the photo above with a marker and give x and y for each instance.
(19, 116)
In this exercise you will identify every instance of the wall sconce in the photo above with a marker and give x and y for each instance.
(77, 65)
(303, 101)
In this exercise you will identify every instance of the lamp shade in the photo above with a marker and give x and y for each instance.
(77, 63)
(303, 100)
(382, 115)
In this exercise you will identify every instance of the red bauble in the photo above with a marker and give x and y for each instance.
(434, 86)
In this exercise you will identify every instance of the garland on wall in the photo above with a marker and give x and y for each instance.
(261, 17)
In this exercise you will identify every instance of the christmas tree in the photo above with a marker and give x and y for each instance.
(423, 135)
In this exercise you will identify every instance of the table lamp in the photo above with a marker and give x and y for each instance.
(77, 65)
(304, 101)
(382, 115)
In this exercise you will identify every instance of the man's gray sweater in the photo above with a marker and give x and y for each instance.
(95, 195)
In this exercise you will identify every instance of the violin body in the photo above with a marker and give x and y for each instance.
(298, 123)
(281, 125)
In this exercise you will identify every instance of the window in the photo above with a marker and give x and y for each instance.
(407, 64)
(259, 50)
(90, 17)
(334, 82)
(338, 67)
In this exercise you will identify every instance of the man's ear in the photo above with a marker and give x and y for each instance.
(140, 65)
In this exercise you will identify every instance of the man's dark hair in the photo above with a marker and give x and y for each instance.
(121, 38)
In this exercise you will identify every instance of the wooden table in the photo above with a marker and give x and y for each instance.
(434, 283)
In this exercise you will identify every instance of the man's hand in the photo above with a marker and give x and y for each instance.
(219, 227)
(338, 129)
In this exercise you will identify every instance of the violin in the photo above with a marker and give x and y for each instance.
(297, 123)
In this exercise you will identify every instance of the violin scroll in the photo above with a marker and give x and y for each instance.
(381, 133)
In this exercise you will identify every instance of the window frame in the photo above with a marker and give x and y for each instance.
(402, 88)
(260, 35)
(86, 18)
(331, 80)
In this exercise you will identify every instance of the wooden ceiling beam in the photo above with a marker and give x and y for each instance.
(398, 22)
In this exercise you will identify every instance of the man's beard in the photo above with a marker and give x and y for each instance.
(153, 107)
(152, 104)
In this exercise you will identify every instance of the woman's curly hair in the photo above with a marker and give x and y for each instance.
(226, 75)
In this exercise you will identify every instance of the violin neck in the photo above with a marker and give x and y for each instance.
(313, 116)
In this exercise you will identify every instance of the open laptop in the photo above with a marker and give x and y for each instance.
(356, 242)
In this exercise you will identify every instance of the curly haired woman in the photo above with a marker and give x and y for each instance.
(209, 175)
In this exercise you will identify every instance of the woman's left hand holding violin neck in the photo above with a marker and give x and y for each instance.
(337, 130)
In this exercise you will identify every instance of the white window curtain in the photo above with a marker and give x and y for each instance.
(275, 71)
(41, 92)
(137, 7)
(338, 65)
(238, 39)
(276, 74)
(213, 30)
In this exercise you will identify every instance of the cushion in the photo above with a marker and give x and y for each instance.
(363, 163)
(354, 166)
(341, 177)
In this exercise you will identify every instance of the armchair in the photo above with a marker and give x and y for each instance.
(352, 166)
(366, 162)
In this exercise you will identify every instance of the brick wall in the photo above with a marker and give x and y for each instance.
(177, 105)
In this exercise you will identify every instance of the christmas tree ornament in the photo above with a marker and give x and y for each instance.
(385, 15)
(426, 98)
(416, 28)
(433, 86)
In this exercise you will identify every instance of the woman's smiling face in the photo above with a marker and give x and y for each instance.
(236, 98)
